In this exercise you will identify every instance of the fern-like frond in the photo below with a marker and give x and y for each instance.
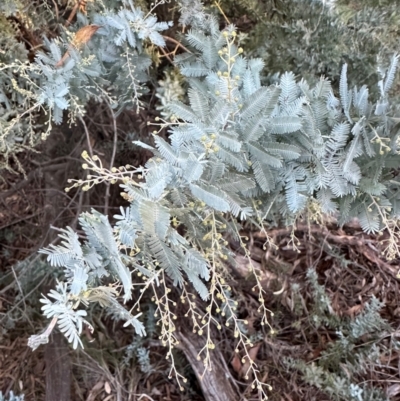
(199, 103)
(256, 103)
(211, 196)
(166, 258)
(258, 154)
(182, 111)
(284, 125)
(369, 220)
(286, 151)
(166, 151)
(254, 128)
(236, 160)
(198, 284)
(194, 69)
(289, 90)
(155, 218)
(264, 176)
(345, 93)
(229, 141)
(390, 74)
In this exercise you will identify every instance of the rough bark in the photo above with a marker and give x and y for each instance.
(58, 369)
(216, 385)
(58, 363)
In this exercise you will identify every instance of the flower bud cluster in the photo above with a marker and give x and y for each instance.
(101, 174)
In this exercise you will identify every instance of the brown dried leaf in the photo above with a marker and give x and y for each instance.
(354, 310)
(393, 390)
(236, 364)
(84, 35)
(95, 391)
(81, 38)
(82, 6)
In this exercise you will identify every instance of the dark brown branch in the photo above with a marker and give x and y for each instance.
(73, 12)
(168, 38)
(33, 174)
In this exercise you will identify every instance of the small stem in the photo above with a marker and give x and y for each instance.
(87, 136)
(73, 12)
(107, 196)
(169, 39)
(222, 12)
(51, 326)
(166, 55)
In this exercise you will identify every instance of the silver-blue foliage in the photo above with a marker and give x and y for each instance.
(235, 148)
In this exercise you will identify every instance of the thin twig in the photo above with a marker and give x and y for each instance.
(79, 210)
(319, 19)
(73, 12)
(222, 12)
(72, 200)
(114, 151)
(27, 295)
(56, 7)
(20, 290)
(87, 136)
(22, 295)
(27, 111)
(166, 55)
(19, 220)
(22, 272)
(168, 38)
(51, 326)
(33, 174)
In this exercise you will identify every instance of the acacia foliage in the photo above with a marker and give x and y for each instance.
(236, 150)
